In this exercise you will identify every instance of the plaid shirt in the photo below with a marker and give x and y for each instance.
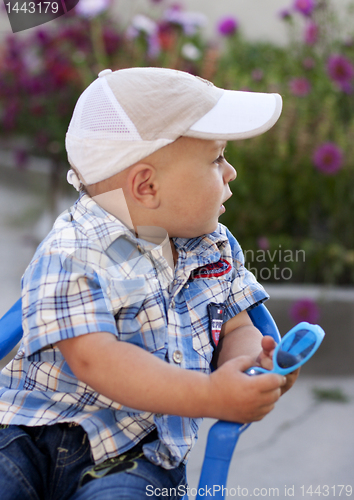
(92, 274)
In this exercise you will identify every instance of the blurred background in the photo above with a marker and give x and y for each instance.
(293, 202)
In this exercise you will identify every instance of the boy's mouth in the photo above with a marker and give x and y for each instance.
(222, 207)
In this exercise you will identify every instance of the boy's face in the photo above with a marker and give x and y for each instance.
(194, 177)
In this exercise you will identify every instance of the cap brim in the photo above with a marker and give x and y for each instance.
(238, 115)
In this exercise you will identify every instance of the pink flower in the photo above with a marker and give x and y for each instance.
(300, 87)
(257, 75)
(341, 71)
(311, 33)
(309, 63)
(227, 26)
(263, 243)
(305, 310)
(328, 158)
(305, 7)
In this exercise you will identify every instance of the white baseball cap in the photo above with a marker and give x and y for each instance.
(126, 115)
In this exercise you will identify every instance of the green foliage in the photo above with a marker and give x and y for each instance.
(280, 197)
(335, 395)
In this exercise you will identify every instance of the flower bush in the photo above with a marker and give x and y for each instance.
(294, 189)
(295, 184)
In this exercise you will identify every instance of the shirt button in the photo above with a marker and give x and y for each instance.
(186, 285)
(177, 357)
(173, 305)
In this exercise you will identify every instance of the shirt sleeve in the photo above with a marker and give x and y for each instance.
(245, 292)
(61, 299)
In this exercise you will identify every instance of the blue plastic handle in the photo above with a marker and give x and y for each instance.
(11, 329)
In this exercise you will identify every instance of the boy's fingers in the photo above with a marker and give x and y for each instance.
(268, 343)
(242, 363)
(272, 381)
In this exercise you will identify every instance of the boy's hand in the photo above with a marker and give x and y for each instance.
(265, 360)
(238, 397)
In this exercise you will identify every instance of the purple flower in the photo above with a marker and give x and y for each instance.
(91, 8)
(257, 75)
(328, 158)
(341, 71)
(21, 158)
(263, 243)
(300, 87)
(154, 47)
(305, 7)
(309, 63)
(142, 24)
(42, 37)
(227, 26)
(190, 22)
(311, 33)
(305, 310)
(347, 87)
(285, 14)
(112, 40)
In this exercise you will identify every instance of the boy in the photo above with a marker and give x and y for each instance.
(133, 295)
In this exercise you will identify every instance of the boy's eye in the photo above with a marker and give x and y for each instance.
(220, 159)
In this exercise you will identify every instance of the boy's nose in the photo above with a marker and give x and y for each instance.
(230, 173)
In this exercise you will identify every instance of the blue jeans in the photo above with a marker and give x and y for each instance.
(54, 463)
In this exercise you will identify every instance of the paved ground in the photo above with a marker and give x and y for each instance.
(303, 442)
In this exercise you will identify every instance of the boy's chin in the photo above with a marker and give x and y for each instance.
(201, 230)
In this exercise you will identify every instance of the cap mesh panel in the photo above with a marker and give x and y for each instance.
(100, 115)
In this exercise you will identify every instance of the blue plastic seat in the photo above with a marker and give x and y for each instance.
(222, 437)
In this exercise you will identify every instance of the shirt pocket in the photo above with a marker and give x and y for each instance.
(139, 311)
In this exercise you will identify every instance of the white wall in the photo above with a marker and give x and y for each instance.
(258, 18)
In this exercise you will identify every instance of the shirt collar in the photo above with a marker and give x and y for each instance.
(100, 225)
(97, 223)
(200, 251)
(206, 244)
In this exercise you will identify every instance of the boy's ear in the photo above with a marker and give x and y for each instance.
(143, 185)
